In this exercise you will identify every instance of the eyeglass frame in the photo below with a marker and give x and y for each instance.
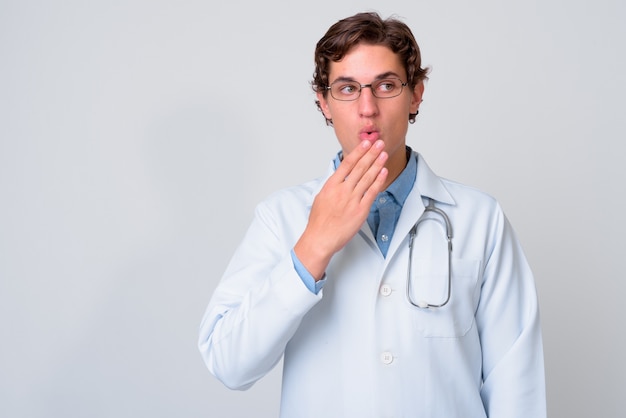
(403, 84)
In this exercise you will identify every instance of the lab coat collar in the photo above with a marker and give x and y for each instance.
(429, 184)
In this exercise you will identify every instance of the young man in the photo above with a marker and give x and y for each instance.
(375, 313)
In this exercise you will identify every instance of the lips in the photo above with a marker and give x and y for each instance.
(369, 134)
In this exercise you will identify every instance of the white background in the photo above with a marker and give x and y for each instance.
(137, 136)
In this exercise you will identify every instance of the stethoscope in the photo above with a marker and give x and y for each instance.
(445, 222)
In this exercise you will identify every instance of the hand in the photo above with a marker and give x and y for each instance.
(342, 206)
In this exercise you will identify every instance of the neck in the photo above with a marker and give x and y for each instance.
(396, 166)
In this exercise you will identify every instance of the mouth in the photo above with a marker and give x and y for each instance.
(369, 134)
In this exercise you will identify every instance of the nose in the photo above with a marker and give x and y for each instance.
(368, 103)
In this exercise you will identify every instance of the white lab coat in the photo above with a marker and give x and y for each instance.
(358, 348)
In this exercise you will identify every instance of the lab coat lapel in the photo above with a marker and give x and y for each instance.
(320, 183)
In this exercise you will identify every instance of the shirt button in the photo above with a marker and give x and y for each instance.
(384, 238)
(385, 290)
(386, 357)
(382, 200)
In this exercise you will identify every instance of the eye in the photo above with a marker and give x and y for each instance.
(386, 86)
(347, 89)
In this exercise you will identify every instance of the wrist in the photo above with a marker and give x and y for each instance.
(312, 257)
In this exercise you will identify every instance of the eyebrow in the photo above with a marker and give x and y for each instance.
(378, 77)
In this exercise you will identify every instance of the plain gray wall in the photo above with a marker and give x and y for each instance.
(137, 136)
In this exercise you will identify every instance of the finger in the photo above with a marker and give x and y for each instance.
(364, 163)
(371, 177)
(367, 168)
(350, 160)
(376, 187)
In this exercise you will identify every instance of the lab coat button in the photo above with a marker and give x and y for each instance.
(385, 290)
(386, 357)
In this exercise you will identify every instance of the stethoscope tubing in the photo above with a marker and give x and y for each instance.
(447, 225)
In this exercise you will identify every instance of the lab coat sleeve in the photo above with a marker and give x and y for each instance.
(508, 323)
(258, 305)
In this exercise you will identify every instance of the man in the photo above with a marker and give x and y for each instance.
(377, 316)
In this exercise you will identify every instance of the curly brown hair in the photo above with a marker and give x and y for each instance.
(368, 28)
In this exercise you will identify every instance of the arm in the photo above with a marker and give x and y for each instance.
(256, 308)
(510, 333)
(261, 300)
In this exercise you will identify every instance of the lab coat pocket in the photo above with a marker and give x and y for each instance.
(429, 284)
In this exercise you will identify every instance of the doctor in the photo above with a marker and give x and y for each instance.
(325, 277)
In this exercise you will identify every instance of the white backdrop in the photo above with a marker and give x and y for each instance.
(137, 136)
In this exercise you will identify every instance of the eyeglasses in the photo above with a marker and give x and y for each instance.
(351, 90)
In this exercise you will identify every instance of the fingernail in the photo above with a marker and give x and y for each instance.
(365, 144)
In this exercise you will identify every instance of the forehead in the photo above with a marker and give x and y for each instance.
(365, 62)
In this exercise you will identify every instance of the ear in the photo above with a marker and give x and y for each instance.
(416, 97)
(323, 104)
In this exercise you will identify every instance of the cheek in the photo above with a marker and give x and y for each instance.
(342, 111)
